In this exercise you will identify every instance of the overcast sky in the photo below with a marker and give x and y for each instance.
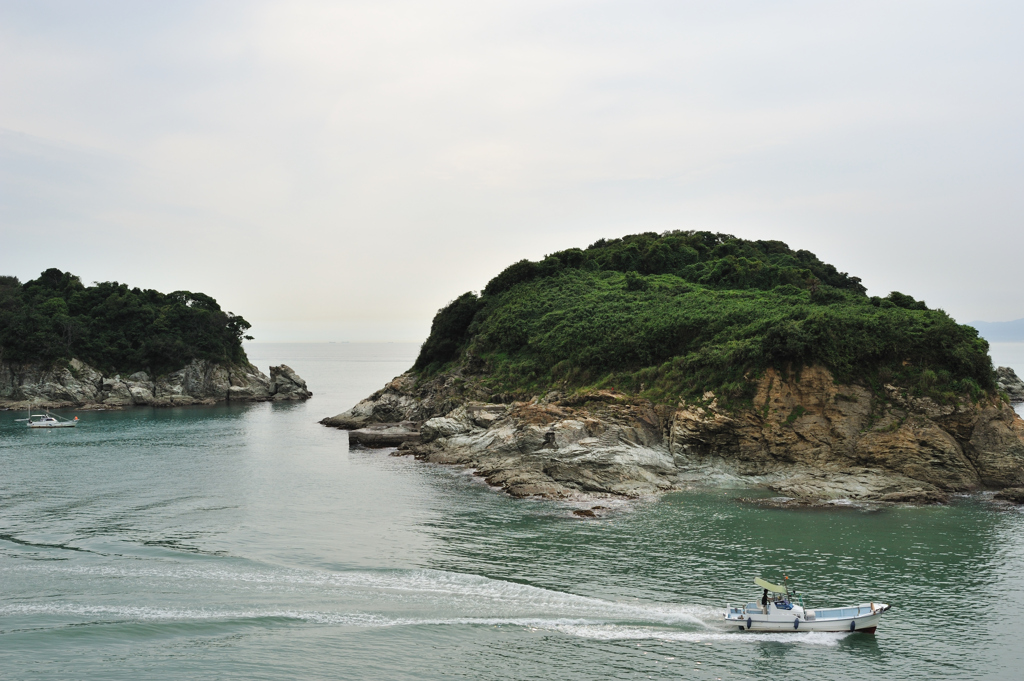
(339, 170)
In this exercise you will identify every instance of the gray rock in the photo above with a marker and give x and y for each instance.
(85, 373)
(248, 384)
(76, 384)
(404, 399)
(484, 415)
(116, 392)
(1014, 494)
(385, 434)
(140, 393)
(1008, 381)
(813, 440)
(915, 496)
(456, 423)
(854, 485)
(285, 384)
(71, 385)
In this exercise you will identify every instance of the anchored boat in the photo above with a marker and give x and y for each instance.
(781, 609)
(48, 420)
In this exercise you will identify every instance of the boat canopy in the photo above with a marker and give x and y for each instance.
(774, 588)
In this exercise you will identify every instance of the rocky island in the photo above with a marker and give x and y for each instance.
(657, 361)
(63, 344)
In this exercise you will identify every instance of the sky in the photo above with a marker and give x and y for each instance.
(340, 170)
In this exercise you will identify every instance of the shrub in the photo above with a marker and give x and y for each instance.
(635, 282)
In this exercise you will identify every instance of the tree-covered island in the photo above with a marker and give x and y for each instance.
(65, 344)
(658, 361)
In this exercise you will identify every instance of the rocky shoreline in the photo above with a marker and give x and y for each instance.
(811, 440)
(78, 385)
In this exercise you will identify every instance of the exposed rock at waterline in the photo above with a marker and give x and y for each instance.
(385, 434)
(285, 384)
(76, 384)
(806, 437)
(855, 485)
(1014, 494)
(397, 401)
(1008, 382)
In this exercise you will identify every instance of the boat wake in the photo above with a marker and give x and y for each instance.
(372, 599)
(596, 630)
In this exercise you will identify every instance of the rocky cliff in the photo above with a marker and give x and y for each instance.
(806, 436)
(76, 384)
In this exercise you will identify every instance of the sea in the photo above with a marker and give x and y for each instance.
(250, 542)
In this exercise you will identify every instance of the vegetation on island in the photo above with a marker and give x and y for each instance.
(673, 315)
(113, 327)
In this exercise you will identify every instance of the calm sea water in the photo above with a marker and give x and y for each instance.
(250, 542)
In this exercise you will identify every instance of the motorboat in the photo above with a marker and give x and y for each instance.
(781, 609)
(48, 420)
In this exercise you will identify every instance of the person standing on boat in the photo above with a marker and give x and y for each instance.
(764, 601)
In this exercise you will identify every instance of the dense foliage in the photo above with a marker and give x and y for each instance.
(113, 327)
(677, 314)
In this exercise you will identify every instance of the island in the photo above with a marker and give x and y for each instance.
(658, 361)
(64, 344)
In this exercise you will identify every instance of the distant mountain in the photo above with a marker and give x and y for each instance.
(1001, 332)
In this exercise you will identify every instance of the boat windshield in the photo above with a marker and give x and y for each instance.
(842, 612)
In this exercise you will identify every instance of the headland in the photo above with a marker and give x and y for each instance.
(655, 362)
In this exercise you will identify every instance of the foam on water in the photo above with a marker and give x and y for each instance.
(581, 628)
(455, 591)
(503, 603)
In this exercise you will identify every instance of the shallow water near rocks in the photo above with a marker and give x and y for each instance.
(250, 542)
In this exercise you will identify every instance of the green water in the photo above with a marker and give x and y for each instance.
(250, 542)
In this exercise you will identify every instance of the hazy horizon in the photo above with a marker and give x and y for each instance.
(339, 171)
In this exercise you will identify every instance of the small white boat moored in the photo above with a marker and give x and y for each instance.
(48, 420)
(781, 609)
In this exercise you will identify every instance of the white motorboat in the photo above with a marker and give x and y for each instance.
(781, 609)
(48, 420)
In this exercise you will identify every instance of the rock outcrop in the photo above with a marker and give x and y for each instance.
(386, 434)
(1008, 382)
(77, 384)
(285, 384)
(806, 437)
(400, 400)
(1013, 494)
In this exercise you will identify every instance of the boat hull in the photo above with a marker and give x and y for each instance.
(52, 425)
(865, 624)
